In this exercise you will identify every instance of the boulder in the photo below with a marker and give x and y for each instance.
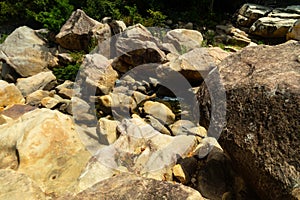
(136, 46)
(130, 186)
(40, 81)
(78, 31)
(97, 74)
(270, 27)
(9, 94)
(184, 40)
(249, 13)
(294, 31)
(194, 65)
(26, 53)
(14, 185)
(47, 148)
(262, 131)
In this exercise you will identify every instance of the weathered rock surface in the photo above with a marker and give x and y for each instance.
(26, 53)
(249, 13)
(294, 32)
(262, 132)
(145, 151)
(9, 94)
(136, 46)
(228, 34)
(14, 185)
(97, 73)
(130, 186)
(77, 32)
(184, 40)
(40, 81)
(35, 98)
(270, 27)
(194, 65)
(160, 111)
(46, 147)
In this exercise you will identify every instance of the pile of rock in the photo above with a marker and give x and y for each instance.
(124, 119)
(131, 119)
(268, 22)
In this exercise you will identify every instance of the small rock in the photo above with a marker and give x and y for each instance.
(107, 131)
(49, 102)
(35, 98)
(160, 111)
(40, 81)
(9, 94)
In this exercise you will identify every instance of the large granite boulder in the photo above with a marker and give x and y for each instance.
(184, 40)
(78, 31)
(97, 73)
(25, 53)
(136, 46)
(262, 132)
(44, 145)
(130, 186)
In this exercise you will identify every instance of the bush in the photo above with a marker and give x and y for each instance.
(53, 15)
(68, 72)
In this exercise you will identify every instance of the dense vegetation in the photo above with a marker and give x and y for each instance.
(52, 14)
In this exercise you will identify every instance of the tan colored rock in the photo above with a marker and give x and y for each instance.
(184, 40)
(194, 65)
(159, 111)
(35, 98)
(179, 173)
(107, 130)
(269, 27)
(9, 94)
(26, 53)
(77, 32)
(294, 31)
(97, 72)
(40, 81)
(14, 185)
(49, 149)
(49, 102)
(130, 186)
(136, 46)
(228, 34)
(143, 150)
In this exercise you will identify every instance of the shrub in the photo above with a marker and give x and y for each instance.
(52, 15)
(68, 72)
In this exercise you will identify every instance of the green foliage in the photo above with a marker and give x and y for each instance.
(133, 16)
(2, 38)
(68, 72)
(52, 16)
(156, 18)
(98, 9)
